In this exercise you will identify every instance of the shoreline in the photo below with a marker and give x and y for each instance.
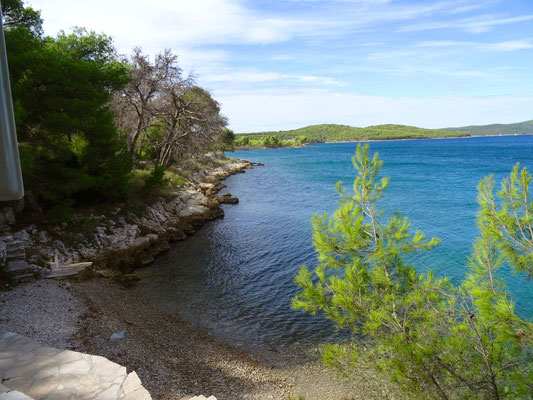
(310, 144)
(172, 357)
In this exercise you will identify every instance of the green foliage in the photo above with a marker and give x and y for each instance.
(339, 133)
(70, 150)
(156, 179)
(431, 337)
(241, 141)
(271, 141)
(510, 221)
(16, 15)
(228, 137)
(519, 128)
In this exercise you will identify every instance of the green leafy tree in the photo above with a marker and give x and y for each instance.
(16, 15)
(228, 137)
(70, 150)
(242, 141)
(430, 336)
(271, 141)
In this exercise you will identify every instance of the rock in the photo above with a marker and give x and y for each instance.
(3, 250)
(175, 234)
(144, 259)
(152, 237)
(7, 216)
(118, 335)
(18, 266)
(140, 243)
(228, 200)
(127, 239)
(23, 236)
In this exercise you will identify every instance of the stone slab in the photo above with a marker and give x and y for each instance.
(47, 373)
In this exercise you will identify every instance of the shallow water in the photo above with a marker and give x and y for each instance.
(235, 276)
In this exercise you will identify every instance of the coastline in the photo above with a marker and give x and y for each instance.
(172, 357)
(310, 144)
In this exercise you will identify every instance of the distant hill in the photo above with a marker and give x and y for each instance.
(340, 133)
(518, 128)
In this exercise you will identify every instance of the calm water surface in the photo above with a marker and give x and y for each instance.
(235, 277)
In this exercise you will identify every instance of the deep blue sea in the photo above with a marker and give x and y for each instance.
(235, 276)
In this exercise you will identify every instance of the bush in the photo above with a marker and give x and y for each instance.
(156, 179)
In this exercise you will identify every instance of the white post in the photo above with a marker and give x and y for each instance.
(11, 187)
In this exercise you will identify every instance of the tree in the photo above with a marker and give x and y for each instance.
(16, 15)
(510, 222)
(271, 141)
(432, 337)
(188, 121)
(164, 113)
(242, 141)
(133, 106)
(70, 150)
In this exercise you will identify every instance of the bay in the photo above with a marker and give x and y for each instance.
(235, 277)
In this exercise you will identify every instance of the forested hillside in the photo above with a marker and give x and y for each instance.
(339, 133)
(87, 118)
(518, 128)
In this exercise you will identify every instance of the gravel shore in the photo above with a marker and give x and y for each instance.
(46, 311)
(172, 357)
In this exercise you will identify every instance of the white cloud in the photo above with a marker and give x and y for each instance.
(444, 43)
(478, 24)
(289, 109)
(187, 23)
(282, 57)
(510, 45)
(171, 23)
(241, 77)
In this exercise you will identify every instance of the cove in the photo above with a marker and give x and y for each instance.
(235, 276)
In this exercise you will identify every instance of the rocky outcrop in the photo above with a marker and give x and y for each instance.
(125, 239)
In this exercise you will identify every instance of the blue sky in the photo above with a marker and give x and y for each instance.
(289, 63)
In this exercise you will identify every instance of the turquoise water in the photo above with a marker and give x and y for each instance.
(235, 277)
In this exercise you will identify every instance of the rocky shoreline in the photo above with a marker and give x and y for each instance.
(121, 240)
(172, 357)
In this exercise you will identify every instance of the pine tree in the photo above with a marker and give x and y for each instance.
(428, 335)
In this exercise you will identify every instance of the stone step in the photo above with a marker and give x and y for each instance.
(15, 245)
(6, 238)
(18, 255)
(67, 270)
(19, 267)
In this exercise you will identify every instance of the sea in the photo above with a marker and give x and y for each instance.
(235, 277)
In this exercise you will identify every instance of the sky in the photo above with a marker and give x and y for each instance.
(285, 64)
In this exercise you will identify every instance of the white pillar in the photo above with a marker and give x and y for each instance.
(11, 187)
